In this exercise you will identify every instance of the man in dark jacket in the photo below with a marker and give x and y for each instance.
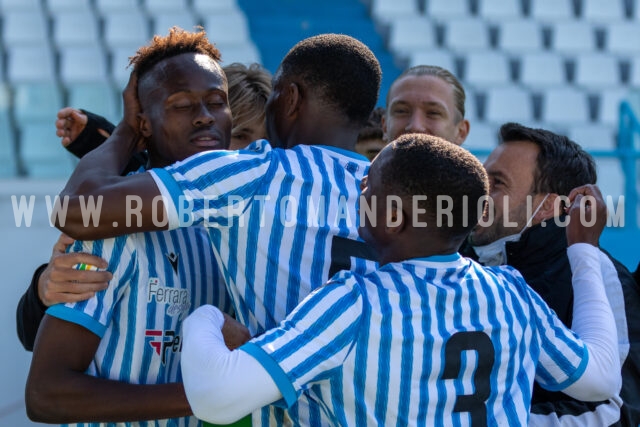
(530, 172)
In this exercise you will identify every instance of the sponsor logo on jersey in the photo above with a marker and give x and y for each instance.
(163, 342)
(178, 300)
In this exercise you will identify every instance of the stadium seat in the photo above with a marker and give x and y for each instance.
(36, 101)
(519, 36)
(542, 69)
(227, 29)
(8, 158)
(126, 29)
(471, 110)
(206, 7)
(71, 29)
(441, 58)
(573, 36)
(165, 20)
(444, 10)
(593, 136)
(603, 11)
(41, 152)
(23, 5)
(120, 70)
(56, 6)
(610, 178)
(609, 105)
(482, 136)
(622, 38)
(500, 10)
(108, 6)
(486, 68)
(411, 34)
(164, 6)
(83, 64)
(99, 98)
(245, 53)
(466, 35)
(509, 104)
(552, 10)
(565, 106)
(635, 72)
(597, 70)
(384, 11)
(22, 60)
(24, 28)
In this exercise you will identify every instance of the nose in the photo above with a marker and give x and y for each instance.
(203, 116)
(417, 123)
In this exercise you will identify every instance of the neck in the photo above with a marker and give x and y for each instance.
(417, 248)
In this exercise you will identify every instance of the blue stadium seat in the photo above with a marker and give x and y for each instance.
(484, 69)
(410, 34)
(41, 152)
(598, 11)
(573, 36)
(597, 70)
(542, 69)
(519, 36)
(500, 11)
(75, 28)
(509, 104)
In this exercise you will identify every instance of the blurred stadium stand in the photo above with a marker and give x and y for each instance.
(562, 64)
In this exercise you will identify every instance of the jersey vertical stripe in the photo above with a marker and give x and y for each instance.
(158, 279)
(423, 317)
(276, 250)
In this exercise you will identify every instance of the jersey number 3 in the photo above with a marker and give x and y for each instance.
(472, 403)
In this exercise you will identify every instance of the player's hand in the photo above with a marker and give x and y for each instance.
(70, 124)
(60, 282)
(235, 333)
(586, 207)
(131, 104)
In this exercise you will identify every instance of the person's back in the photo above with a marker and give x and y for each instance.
(290, 224)
(429, 338)
(431, 332)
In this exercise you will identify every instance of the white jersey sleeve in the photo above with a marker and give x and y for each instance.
(213, 186)
(593, 352)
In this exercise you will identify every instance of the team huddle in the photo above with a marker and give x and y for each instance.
(231, 301)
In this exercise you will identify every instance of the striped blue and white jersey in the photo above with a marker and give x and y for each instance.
(281, 222)
(158, 279)
(439, 340)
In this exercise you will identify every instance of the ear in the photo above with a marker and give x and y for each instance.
(396, 220)
(294, 99)
(463, 130)
(383, 123)
(145, 125)
(548, 209)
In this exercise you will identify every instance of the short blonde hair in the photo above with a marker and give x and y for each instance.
(249, 89)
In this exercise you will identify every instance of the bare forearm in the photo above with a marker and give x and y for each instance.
(99, 167)
(82, 398)
(126, 204)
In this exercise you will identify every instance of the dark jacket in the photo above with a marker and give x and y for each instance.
(540, 256)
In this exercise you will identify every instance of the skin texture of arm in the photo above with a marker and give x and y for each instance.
(127, 202)
(59, 391)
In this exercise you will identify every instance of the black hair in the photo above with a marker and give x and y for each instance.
(561, 165)
(427, 165)
(342, 70)
(373, 128)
